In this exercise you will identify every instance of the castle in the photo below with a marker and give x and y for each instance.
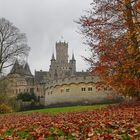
(61, 84)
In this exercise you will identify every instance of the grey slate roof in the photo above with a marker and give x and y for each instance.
(39, 76)
(21, 69)
(17, 68)
(27, 70)
(82, 74)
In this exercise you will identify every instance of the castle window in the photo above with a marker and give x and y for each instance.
(16, 91)
(83, 89)
(67, 90)
(89, 88)
(31, 90)
(37, 89)
(62, 90)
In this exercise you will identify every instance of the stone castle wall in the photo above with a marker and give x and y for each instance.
(75, 90)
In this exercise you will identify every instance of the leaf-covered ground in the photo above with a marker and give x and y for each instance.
(121, 122)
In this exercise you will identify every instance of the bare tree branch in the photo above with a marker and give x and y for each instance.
(13, 43)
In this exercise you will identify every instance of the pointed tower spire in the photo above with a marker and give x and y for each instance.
(53, 58)
(15, 68)
(73, 58)
(27, 70)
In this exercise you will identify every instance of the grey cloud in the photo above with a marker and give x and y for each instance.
(44, 22)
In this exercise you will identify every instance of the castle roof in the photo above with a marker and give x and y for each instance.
(21, 69)
(17, 68)
(27, 70)
(82, 73)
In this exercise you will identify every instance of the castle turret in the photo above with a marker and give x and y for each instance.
(72, 64)
(53, 58)
(53, 68)
(73, 59)
(53, 61)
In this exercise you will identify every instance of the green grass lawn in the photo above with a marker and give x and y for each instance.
(68, 109)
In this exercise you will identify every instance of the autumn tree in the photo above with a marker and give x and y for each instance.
(112, 30)
(7, 97)
(13, 44)
(5, 107)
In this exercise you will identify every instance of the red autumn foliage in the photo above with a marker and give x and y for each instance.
(112, 30)
(118, 122)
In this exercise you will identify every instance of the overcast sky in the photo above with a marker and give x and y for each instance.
(45, 22)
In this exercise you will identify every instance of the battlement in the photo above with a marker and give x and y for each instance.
(62, 43)
(71, 80)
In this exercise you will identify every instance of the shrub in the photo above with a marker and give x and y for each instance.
(5, 109)
(14, 104)
(26, 96)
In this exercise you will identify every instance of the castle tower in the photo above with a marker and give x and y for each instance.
(62, 53)
(62, 59)
(60, 67)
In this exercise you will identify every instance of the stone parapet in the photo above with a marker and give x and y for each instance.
(71, 80)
